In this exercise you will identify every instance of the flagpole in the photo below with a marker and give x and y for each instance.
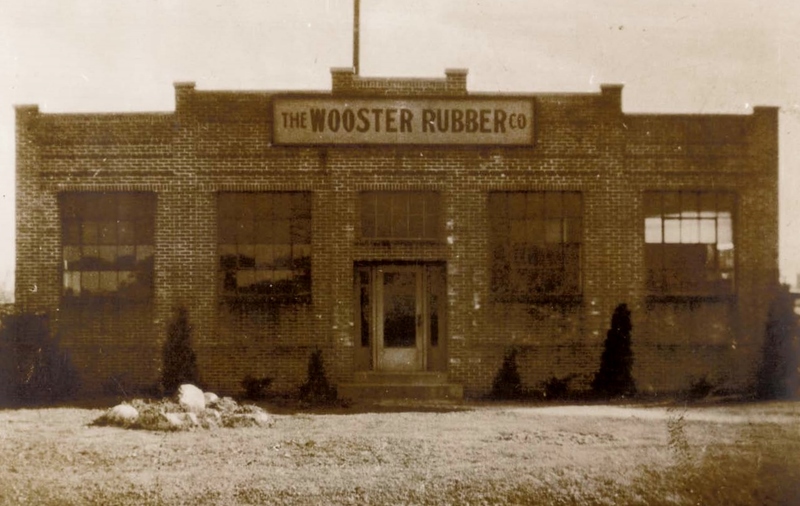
(356, 13)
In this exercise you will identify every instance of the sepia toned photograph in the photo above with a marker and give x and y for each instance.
(381, 252)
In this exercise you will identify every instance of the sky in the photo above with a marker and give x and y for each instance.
(684, 56)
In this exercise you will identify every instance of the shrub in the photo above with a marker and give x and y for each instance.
(33, 368)
(317, 389)
(700, 389)
(507, 383)
(255, 389)
(180, 363)
(614, 377)
(777, 375)
(557, 388)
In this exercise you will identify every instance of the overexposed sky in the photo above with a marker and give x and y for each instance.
(697, 56)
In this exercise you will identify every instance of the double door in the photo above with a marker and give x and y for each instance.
(401, 317)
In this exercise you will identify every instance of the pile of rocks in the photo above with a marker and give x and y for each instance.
(192, 408)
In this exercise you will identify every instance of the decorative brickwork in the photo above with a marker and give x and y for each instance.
(221, 142)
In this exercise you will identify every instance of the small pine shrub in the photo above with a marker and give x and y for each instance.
(700, 389)
(777, 375)
(255, 389)
(317, 389)
(614, 377)
(180, 363)
(507, 383)
(557, 388)
(33, 368)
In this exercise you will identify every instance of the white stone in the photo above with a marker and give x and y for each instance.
(191, 398)
(174, 419)
(122, 414)
(210, 397)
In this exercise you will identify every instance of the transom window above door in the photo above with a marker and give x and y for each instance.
(399, 215)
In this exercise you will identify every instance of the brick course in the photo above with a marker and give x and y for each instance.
(221, 141)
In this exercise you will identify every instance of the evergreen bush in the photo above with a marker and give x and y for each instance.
(614, 377)
(33, 368)
(317, 389)
(507, 383)
(777, 375)
(255, 389)
(180, 362)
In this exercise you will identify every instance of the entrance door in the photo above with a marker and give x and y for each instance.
(400, 317)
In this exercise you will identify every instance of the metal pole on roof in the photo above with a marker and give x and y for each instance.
(356, 12)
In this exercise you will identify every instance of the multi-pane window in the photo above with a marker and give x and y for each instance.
(264, 242)
(399, 215)
(536, 244)
(108, 244)
(689, 243)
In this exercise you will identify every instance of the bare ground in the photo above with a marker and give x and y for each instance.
(483, 454)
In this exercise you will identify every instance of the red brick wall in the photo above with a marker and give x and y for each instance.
(218, 141)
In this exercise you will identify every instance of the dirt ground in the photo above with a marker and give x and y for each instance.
(476, 454)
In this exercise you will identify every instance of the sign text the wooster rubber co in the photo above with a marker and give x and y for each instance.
(477, 121)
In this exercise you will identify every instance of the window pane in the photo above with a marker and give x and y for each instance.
(553, 207)
(144, 231)
(536, 205)
(708, 205)
(652, 204)
(400, 215)
(90, 232)
(301, 205)
(90, 281)
(107, 232)
(725, 203)
(283, 256)
(519, 231)
(672, 231)
(263, 208)
(553, 232)
(689, 207)
(652, 230)
(572, 204)
(574, 230)
(108, 281)
(125, 234)
(72, 232)
(672, 204)
(126, 257)
(72, 283)
(725, 230)
(544, 254)
(301, 231)
(228, 206)
(282, 206)
(516, 206)
(245, 231)
(690, 231)
(701, 261)
(265, 256)
(708, 231)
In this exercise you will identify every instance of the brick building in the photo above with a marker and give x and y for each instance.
(409, 229)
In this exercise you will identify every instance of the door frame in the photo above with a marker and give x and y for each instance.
(430, 344)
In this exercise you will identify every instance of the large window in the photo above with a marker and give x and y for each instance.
(108, 244)
(400, 215)
(689, 243)
(536, 244)
(265, 247)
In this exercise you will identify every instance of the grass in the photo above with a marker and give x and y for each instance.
(488, 454)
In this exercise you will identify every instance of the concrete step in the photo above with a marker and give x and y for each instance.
(400, 378)
(441, 391)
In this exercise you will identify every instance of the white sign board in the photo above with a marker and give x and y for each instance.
(468, 121)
